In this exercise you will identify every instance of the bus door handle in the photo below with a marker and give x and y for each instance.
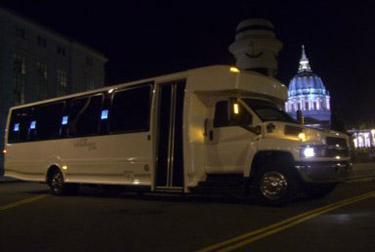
(205, 127)
(208, 133)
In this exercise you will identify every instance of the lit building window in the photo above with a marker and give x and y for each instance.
(363, 138)
(19, 78)
(367, 141)
(42, 85)
(61, 82)
(355, 140)
(360, 142)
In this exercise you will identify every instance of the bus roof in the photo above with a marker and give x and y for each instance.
(217, 78)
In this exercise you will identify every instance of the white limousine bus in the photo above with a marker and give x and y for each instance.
(207, 129)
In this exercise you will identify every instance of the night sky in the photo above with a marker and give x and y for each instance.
(146, 38)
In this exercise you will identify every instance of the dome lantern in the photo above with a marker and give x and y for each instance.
(304, 65)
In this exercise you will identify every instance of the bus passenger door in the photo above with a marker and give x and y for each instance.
(169, 174)
(229, 145)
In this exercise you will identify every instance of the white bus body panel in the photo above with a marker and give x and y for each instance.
(130, 158)
(101, 159)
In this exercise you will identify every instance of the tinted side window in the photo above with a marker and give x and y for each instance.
(221, 115)
(84, 116)
(130, 110)
(19, 125)
(48, 121)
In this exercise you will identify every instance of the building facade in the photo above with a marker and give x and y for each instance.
(37, 63)
(363, 138)
(364, 145)
(308, 94)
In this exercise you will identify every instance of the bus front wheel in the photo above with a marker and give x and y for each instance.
(276, 185)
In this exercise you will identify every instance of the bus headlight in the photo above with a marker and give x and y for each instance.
(307, 152)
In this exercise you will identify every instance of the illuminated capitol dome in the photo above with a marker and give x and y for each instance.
(308, 94)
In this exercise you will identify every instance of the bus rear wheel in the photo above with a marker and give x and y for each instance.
(58, 185)
(276, 185)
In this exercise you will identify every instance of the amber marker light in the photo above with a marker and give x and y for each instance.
(5, 151)
(236, 108)
(302, 136)
(234, 70)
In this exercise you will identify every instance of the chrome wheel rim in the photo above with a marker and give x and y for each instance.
(273, 185)
(57, 182)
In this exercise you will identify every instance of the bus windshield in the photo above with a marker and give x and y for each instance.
(268, 111)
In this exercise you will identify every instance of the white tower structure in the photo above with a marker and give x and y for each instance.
(256, 47)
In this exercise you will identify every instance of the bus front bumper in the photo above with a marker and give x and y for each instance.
(324, 172)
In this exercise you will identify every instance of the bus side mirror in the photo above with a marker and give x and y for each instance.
(300, 118)
(234, 110)
(257, 130)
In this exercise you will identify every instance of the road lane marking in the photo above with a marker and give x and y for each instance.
(247, 238)
(22, 202)
(293, 223)
(275, 225)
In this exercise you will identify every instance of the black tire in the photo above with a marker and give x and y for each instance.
(318, 190)
(276, 184)
(58, 185)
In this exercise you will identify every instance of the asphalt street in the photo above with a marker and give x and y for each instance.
(93, 220)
